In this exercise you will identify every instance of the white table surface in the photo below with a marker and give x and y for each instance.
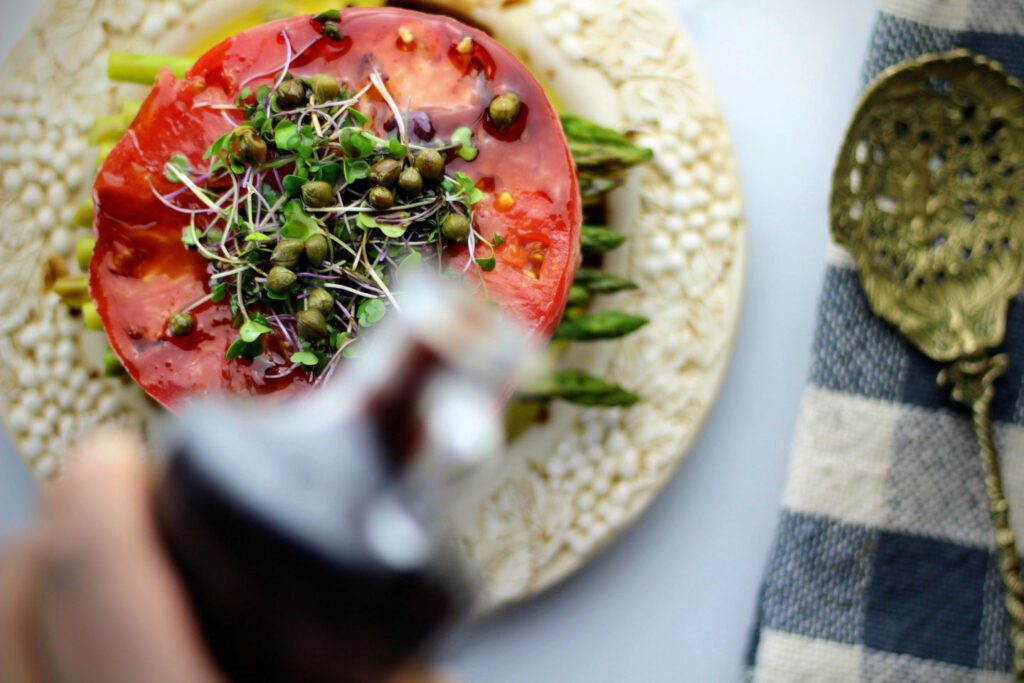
(674, 598)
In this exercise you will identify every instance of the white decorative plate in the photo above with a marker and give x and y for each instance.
(568, 487)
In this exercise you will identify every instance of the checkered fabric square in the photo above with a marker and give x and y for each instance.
(883, 568)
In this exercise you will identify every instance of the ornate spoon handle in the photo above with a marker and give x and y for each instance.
(973, 382)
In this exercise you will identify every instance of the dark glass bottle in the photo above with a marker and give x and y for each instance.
(308, 533)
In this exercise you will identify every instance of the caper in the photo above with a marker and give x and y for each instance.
(327, 15)
(455, 228)
(316, 250)
(311, 324)
(288, 253)
(321, 300)
(385, 172)
(291, 94)
(280, 279)
(381, 198)
(317, 194)
(504, 110)
(181, 324)
(250, 146)
(430, 164)
(411, 181)
(325, 88)
(332, 31)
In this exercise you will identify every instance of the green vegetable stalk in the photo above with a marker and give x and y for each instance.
(597, 240)
(599, 327)
(597, 281)
(602, 156)
(125, 67)
(579, 388)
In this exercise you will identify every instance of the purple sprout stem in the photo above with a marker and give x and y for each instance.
(285, 332)
(318, 276)
(282, 375)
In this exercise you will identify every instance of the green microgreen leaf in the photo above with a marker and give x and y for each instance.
(359, 117)
(215, 149)
(463, 137)
(293, 185)
(498, 240)
(276, 296)
(286, 136)
(329, 173)
(262, 123)
(298, 224)
(410, 263)
(270, 194)
(338, 339)
(306, 358)
(181, 163)
(218, 292)
(392, 231)
(257, 237)
(468, 188)
(252, 330)
(242, 349)
(366, 221)
(306, 142)
(397, 149)
(487, 264)
(355, 144)
(371, 312)
(355, 170)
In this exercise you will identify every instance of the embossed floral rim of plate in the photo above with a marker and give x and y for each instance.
(569, 486)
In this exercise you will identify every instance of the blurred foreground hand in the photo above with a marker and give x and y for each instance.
(92, 597)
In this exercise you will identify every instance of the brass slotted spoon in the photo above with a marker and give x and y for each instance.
(927, 197)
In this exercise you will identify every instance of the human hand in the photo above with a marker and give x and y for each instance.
(92, 597)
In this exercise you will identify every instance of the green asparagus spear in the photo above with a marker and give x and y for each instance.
(599, 326)
(579, 388)
(599, 240)
(597, 281)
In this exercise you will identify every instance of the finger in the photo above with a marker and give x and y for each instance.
(112, 608)
(18, 572)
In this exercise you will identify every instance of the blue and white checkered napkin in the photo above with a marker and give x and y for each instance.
(884, 565)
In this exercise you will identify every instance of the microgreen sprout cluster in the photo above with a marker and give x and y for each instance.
(307, 216)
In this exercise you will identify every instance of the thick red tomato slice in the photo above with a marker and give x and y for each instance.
(141, 273)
